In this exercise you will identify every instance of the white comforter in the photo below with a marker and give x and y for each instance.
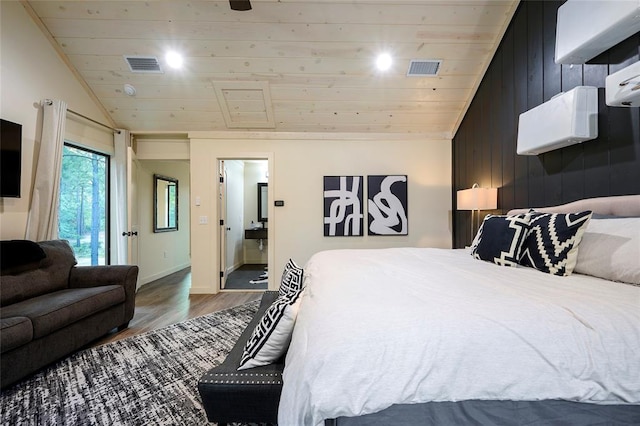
(410, 325)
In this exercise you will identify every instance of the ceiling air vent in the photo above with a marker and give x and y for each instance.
(148, 64)
(423, 67)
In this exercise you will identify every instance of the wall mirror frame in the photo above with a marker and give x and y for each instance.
(263, 202)
(165, 204)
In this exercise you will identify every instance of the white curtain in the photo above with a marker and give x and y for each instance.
(42, 223)
(119, 197)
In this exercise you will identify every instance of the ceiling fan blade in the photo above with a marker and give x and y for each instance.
(240, 4)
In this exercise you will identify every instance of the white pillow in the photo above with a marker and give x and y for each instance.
(610, 249)
(271, 337)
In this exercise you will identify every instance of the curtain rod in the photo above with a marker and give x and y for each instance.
(50, 102)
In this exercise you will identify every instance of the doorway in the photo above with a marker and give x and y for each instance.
(244, 224)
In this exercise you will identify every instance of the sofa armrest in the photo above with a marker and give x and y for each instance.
(94, 276)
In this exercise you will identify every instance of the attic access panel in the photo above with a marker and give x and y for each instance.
(245, 104)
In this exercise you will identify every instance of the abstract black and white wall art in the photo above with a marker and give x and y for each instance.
(387, 205)
(343, 209)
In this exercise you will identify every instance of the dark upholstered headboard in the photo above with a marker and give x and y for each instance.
(624, 205)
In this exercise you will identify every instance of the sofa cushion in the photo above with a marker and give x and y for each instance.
(53, 311)
(16, 331)
(52, 274)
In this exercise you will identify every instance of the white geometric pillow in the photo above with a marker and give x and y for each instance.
(292, 279)
(271, 337)
(553, 241)
(610, 249)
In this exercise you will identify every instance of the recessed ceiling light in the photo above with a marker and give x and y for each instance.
(174, 59)
(384, 61)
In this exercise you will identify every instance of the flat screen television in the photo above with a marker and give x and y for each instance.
(10, 158)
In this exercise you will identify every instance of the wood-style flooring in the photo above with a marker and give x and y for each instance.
(167, 301)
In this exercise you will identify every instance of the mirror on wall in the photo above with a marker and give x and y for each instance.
(165, 204)
(262, 202)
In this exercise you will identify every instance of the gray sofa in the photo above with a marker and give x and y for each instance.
(50, 307)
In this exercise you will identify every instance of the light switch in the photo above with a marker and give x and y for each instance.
(204, 220)
(197, 201)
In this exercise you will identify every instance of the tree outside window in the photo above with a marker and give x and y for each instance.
(83, 204)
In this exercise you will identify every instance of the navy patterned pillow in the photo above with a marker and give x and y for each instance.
(270, 339)
(500, 239)
(553, 240)
(292, 278)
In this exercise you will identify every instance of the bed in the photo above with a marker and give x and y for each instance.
(409, 336)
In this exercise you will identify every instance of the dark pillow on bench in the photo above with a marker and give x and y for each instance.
(19, 255)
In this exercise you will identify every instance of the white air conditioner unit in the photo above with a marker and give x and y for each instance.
(566, 119)
(623, 87)
(586, 28)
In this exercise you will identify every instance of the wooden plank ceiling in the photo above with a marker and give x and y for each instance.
(286, 65)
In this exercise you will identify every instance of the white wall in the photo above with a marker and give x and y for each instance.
(234, 183)
(254, 173)
(297, 166)
(30, 71)
(162, 253)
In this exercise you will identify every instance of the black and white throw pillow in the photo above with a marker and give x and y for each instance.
(553, 241)
(292, 278)
(271, 337)
(500, 239)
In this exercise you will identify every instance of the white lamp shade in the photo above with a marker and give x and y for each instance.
(477, 199)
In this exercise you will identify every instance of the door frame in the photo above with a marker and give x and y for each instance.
(222, 216)
(268, 156)
(133, 213)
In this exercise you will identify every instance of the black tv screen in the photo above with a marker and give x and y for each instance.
(10, 158)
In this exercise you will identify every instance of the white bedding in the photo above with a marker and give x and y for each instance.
(409, 325)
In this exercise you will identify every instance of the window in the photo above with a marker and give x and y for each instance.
(84, 204)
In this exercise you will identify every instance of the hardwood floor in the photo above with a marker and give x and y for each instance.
(167, 301)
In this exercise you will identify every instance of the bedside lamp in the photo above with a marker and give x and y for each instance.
(476, 199)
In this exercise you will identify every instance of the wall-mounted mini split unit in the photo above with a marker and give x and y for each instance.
(586, 28)
(566, 119)
(622, 89)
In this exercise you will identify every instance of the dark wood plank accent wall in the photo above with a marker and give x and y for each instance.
(521, 76)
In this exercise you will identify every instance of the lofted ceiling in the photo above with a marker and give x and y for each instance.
(285, 65)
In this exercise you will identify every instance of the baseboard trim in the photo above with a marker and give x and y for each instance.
(232, 268)
(202, 290)
(146, 280)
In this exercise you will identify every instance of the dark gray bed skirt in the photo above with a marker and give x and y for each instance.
(502, 413)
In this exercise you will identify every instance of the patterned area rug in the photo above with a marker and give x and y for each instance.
(149, 379)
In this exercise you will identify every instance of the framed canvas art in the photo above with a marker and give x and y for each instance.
(387, 204)
(343, 209)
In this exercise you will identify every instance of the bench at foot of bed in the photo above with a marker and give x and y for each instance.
(251, 395)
